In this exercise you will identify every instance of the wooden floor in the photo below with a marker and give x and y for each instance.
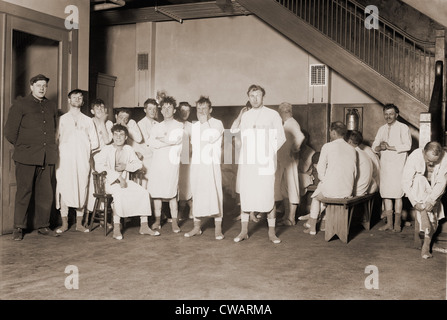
(373, 265)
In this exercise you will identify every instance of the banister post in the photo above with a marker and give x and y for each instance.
(424, 128)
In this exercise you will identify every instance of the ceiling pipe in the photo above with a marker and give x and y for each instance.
(109, 4)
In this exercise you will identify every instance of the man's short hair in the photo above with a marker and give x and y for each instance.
(120, 127)
(433, 146)
(355, 136)
(391, 106)
(75, 91)
(168, 100)
(339, 127)
(96, 102)
(285, 107)
(184, 104)
(204, 100)
(123, 109)
(150, 101)
(255, 87)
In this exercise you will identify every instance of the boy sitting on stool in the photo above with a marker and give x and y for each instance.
(129, 198)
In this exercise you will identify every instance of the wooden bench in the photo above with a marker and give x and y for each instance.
(339, 214)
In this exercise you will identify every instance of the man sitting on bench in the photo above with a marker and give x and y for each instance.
(364, 182)
(337, 172)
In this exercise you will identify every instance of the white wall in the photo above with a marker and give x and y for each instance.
(223, 57)
(219, 58)
(120, 58)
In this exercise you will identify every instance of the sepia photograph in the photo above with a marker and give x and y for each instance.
(223, 158)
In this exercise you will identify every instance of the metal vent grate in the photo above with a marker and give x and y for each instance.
(318, 75)
(143, 61)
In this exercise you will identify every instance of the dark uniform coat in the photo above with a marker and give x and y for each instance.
(31, 128)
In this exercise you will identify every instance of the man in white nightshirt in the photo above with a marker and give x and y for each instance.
(424, 182)
(337, 171)
(184, 186)
(146, 124)
(77, 138)
(123, 117)
(166, 141)
(392, 142)
(364, 179)
(287, 185)
(103, 130)
(262, 134)
(129, 198)
(376, 167)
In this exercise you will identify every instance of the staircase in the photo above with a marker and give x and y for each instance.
(386, 63)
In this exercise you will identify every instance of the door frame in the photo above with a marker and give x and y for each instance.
(14, 17)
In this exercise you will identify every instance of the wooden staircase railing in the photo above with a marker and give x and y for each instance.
(396, 55)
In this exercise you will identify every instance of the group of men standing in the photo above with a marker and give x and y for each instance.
(344, 169)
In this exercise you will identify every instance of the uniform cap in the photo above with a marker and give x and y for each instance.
(37, 78)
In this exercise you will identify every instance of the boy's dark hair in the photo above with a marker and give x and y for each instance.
(75, 91)
(123, 109)
(150, 101)
(96, 102)
(184, 103)
(168, 100)
(120, 127)
(255, 87)
(204, 100)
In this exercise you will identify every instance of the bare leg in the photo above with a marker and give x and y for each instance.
(79, 217)
(174, 213)
(289, 215)
(181, 209)
(389, 215)
(218, 229)
(416, 240)
(157, 213)
(117, 227)
(243, 235)
(428, 233)
(271, 219)
(398, 215)
(311, 224)
(253, 217)
(64, 216)
(190, 215)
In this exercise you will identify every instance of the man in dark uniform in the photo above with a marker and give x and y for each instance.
(31, 128)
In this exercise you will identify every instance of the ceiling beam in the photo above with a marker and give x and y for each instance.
(188, 11)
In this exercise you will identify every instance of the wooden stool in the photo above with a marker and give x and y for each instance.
(103, 202)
